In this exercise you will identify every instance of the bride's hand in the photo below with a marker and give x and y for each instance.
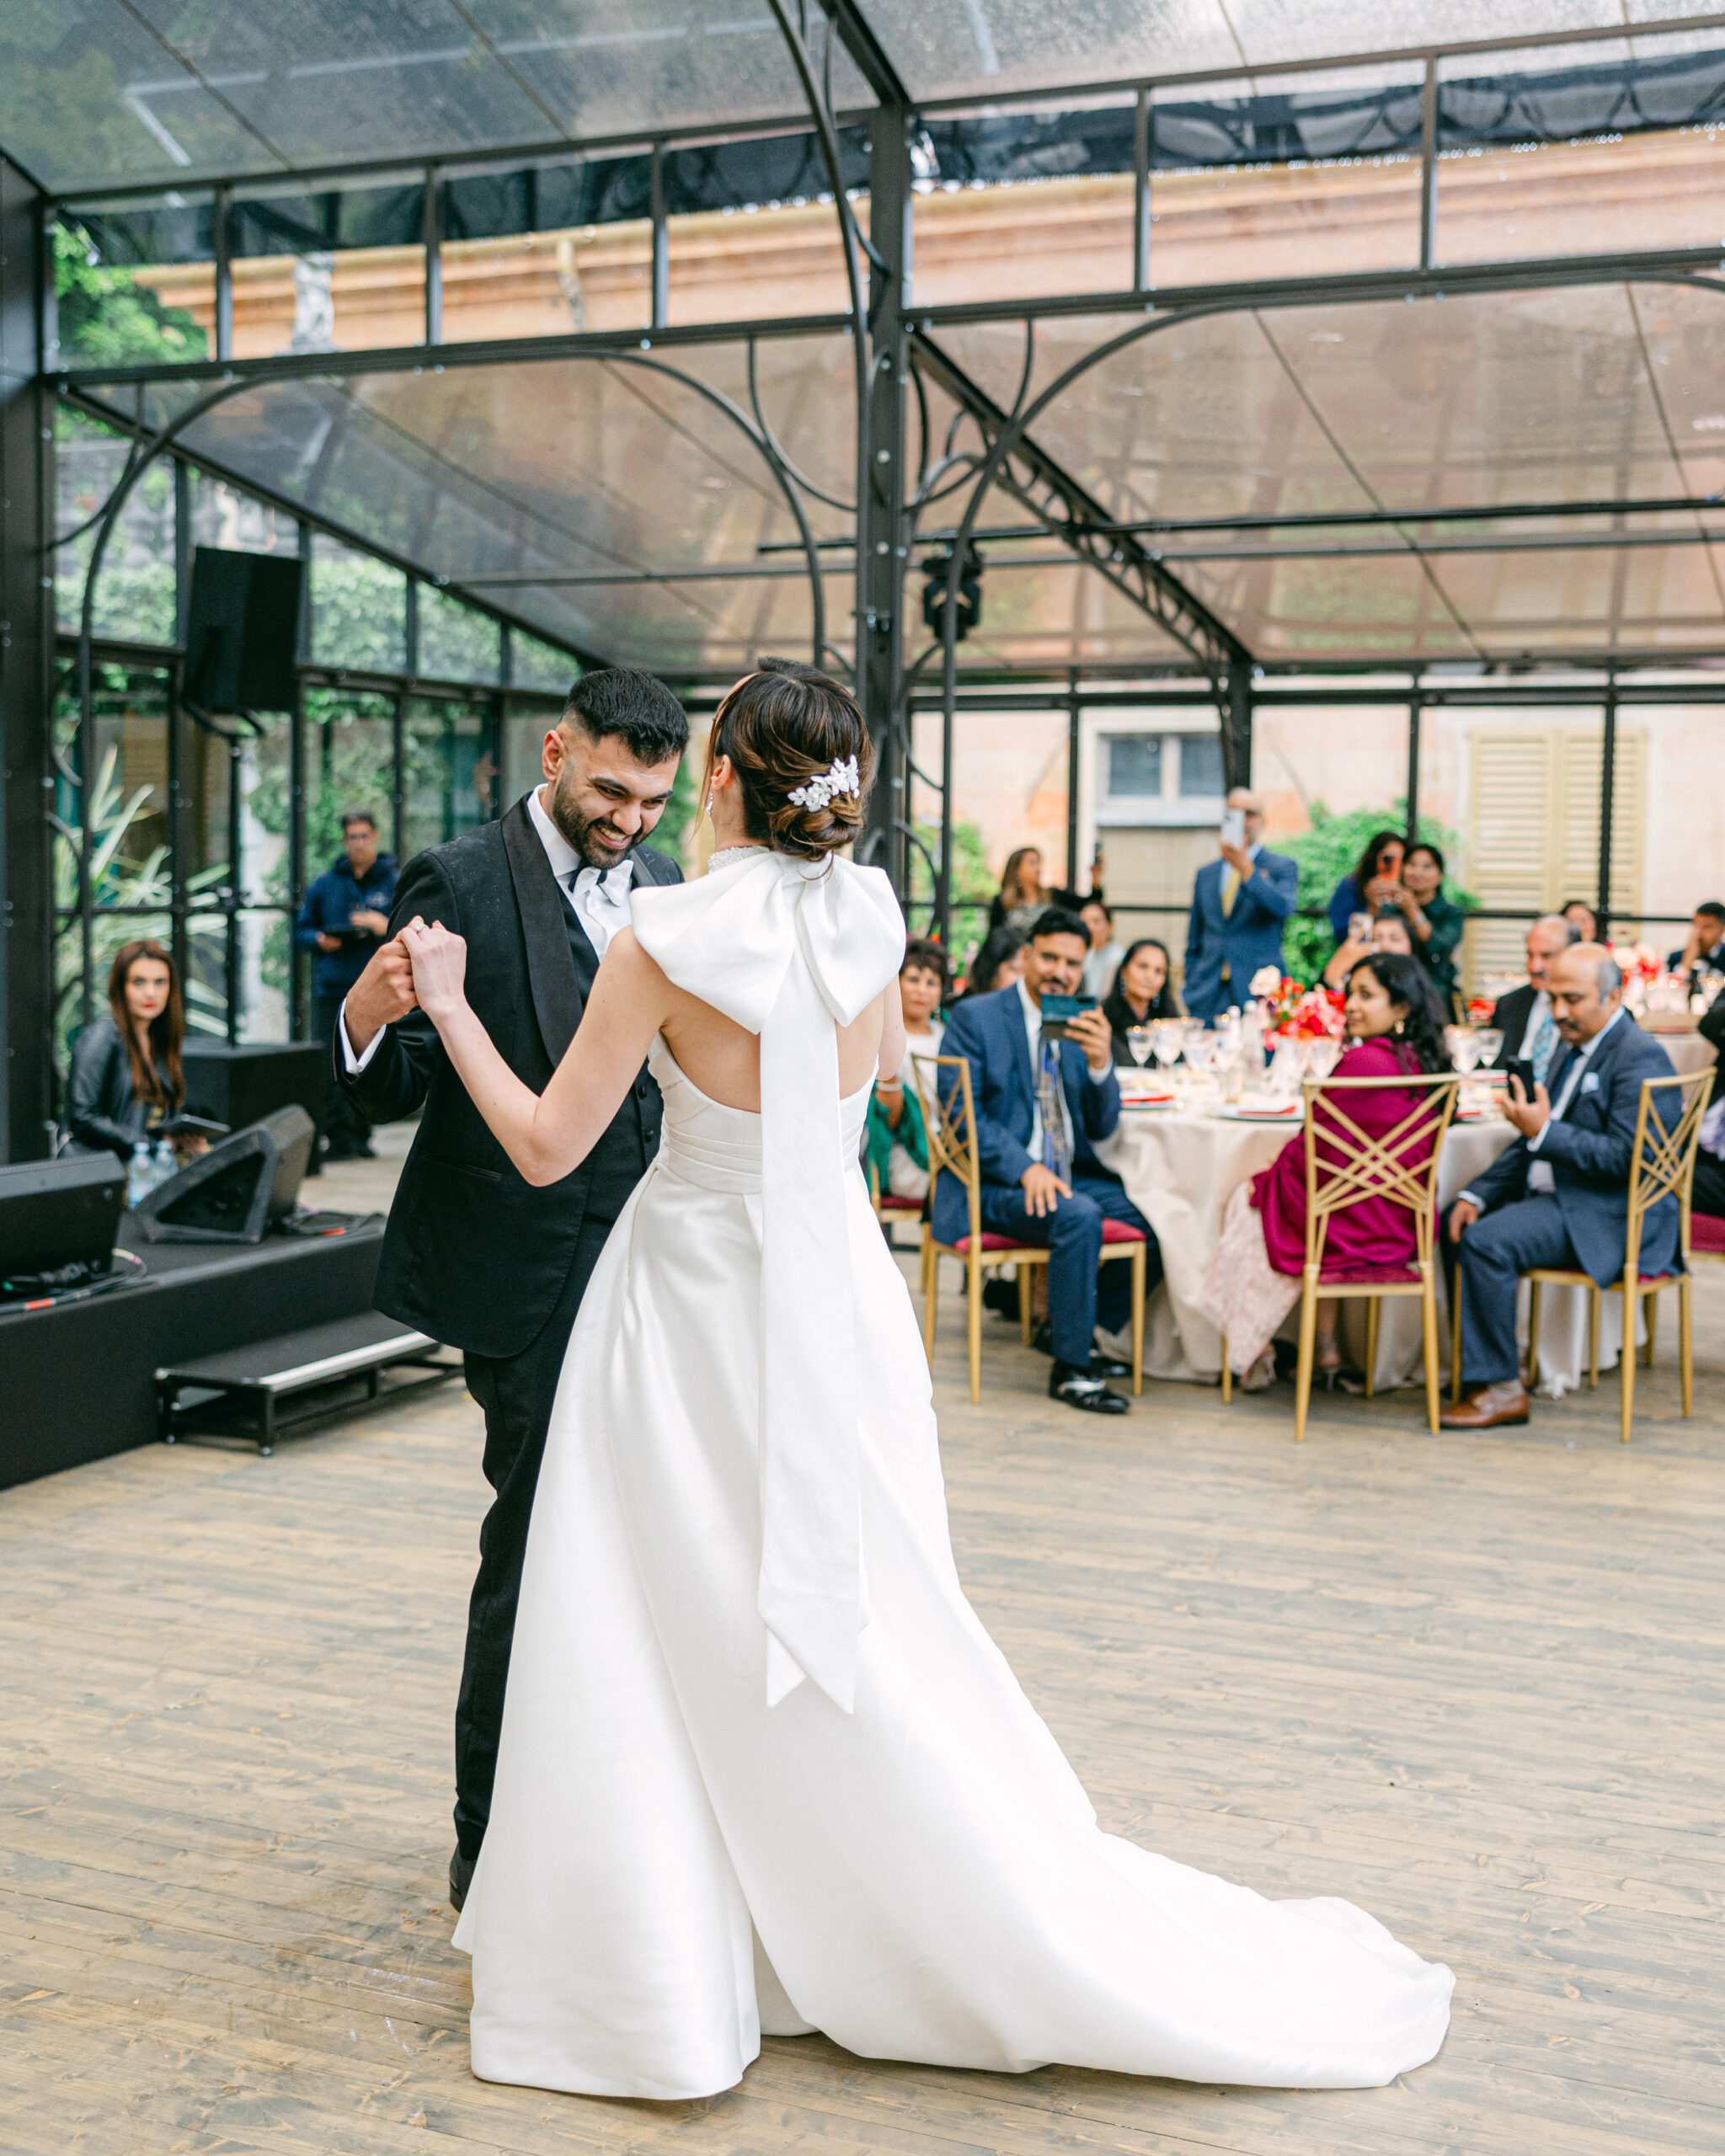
(440, 963)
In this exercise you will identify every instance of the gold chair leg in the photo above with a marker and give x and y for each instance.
(1024, 1273)
(1428, 1325)
(1625, 1366)
(1308, 1336)
(1140, 1273)
(1533, 1335)
(1373, 1305)
(1227, 1374)
(1650, 1303)
(1595, 1303)
(1455, 1336)
(975, 1328)
(1686, 1345)
(930, 1301)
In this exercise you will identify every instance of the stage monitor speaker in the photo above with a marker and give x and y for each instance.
(58, 1220)
(231, 1193)
(241, 627)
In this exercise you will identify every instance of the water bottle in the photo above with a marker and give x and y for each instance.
(139, 1174)
(165, 1163)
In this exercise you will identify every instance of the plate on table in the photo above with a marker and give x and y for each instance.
(1266, 1112)
(1145, 1101)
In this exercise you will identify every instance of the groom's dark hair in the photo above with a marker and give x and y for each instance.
(636, 707)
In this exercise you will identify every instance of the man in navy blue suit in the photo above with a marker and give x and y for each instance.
(1239, 903)
(1041, 1104)
(1559, 1196)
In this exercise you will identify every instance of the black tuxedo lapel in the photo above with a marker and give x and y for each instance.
(551, 969)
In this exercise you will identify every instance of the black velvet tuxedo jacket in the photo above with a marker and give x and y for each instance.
(474, 1255)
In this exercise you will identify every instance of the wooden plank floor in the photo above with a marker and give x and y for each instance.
(1473, 1683)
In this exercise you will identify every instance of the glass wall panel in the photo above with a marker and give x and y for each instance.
(223, 516)
(451, 772)
(1009, 790)
(135, 285)
(339, 270)
(537, 665)
(359, 609)
(135, 585)
(456, 644)
(349, 763)
(1596, 149)
(524, 732)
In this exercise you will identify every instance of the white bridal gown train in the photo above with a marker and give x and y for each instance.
(761, 1767)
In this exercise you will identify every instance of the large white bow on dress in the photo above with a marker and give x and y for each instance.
(792, 950)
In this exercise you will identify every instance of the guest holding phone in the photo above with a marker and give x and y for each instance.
(1369, 889)
(126, 1079)
(1239, 906)
(343, 917)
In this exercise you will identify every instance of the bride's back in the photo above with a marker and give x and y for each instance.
(723, 1060)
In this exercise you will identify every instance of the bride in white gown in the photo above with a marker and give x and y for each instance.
(762, 1768)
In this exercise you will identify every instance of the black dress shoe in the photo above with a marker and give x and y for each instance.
(461, 1878)
(1101, 1365)
(1076, 1388)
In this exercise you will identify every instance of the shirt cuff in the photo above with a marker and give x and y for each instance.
(1538, 1138)
(354, 1064)
(1099, 1077)
(1468, 1198)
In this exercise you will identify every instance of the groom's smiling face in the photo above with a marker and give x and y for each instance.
(600, 796)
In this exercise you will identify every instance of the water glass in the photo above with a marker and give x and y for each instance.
(1463, 1046)
(1138, 1040)
(1168, 1041)
(1200, 1048)
(1487, 1041)
(1323, 1055)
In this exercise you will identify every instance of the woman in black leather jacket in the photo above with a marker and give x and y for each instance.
(126, 1079)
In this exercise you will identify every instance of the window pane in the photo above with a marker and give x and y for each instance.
(451, 772)
(134, 584)
(1134, 764)
(339, 270)
(359, 610)
(537, 665)
(223, 517)
(137, 284)
(523, 733)
(349, 763)
(455, 645)
(1200, 766)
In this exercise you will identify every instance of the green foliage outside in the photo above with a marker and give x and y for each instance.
(674, 829)
(1330, 850)
(108, 319)
(974, 884)
(359, 610)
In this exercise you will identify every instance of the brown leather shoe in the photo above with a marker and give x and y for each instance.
(1490, 1407)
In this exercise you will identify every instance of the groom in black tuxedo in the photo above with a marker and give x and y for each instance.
(474, 1255)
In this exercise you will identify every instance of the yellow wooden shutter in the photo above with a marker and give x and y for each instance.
(1508, 815)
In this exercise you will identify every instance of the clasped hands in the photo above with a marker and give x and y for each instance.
(422, 968)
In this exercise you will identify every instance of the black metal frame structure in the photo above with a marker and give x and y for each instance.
(993, 455)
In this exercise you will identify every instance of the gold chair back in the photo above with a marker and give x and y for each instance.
(1663, 1163)
(948, 1117)
(1392, 1166)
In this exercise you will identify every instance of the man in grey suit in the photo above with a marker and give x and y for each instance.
(1239, 903)
(1559, 1196)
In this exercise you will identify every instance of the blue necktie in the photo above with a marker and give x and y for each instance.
(1056, 1153)
(1544, 1047)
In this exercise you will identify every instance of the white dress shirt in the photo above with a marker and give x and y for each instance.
(1539, 1176)
(599, 896)
(1032, 1033)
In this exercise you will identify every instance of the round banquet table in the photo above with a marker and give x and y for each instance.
(1688, 1051)
(1180, 1166)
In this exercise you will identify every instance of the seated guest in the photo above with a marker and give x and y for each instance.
(1390, 935)
(1581, 919)
(1708, 1194)
(1435, 921)
(1704, 951)
(1103, 960)
(1141, 993)
(898, 1144)
(1524, 1016)
(1394, 1021)
(1240, 903)
(126, 1079)
(999, 962)
(1021, 898)
(1560, 1195)
(1041, 1104)
(1368, 889)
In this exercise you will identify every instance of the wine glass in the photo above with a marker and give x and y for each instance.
(1138, 1040)
(1323, 1055)
(1487, 1041)
(1463, 1046)
(1200, 1048)
(1167, 1042)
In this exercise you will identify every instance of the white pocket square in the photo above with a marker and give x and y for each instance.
(1590, 1081)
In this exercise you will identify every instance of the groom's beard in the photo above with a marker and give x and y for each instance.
(597, 841)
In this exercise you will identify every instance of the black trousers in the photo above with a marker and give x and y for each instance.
(343, 1125)
(516, 1393)
(1709, 1183)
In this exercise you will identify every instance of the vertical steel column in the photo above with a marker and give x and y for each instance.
(1236, 723)
(1074, 713)
(1428, 168)
(297, 799)
(1608, 781)
(397, 775)
(231, 952)
(1416, 707)
(223, 216)
(410, 631)
(1140, 194)
(660, 303)
(431, 230)
(27, 783)
(883, 533)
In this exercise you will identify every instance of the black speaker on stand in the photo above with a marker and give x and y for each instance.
(236, 1191)
(242, 619)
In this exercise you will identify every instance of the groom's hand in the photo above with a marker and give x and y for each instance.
(383, 993)
(1043, 1189)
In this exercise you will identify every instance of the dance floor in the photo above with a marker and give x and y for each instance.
(1474, 1684)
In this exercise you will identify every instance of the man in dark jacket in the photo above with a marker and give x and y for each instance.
(343, 917)
(474, 1255)
(1559, 1196)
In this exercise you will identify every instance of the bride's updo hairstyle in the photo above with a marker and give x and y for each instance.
(782, 726)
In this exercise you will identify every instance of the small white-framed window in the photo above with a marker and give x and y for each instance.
(1162, 777)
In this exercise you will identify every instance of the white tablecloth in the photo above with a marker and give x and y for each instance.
(1181, 1167)
(1688, 1051)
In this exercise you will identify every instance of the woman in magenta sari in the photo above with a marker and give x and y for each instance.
(1396, 1028)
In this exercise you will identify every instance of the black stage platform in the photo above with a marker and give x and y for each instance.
(78, 1382)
